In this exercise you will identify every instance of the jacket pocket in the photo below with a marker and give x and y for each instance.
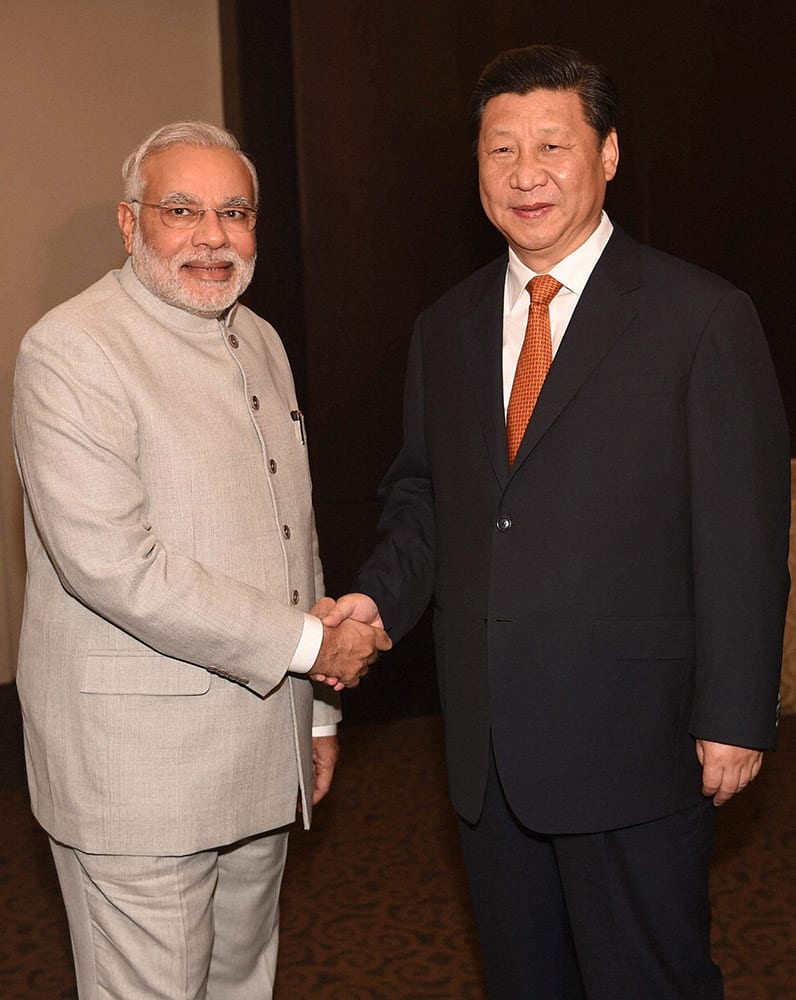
(142, 673)
(643, 638)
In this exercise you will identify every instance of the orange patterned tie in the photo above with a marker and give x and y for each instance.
(534, 361)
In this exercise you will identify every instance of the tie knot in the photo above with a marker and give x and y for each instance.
(543, 289)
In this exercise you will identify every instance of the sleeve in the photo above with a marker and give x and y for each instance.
(76, 444)
(739, 465)
(326, 711)
(326, 702)
(399, 575)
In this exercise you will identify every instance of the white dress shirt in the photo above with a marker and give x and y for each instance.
(573, 272)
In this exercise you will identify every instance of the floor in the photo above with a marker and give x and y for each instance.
(374, 904)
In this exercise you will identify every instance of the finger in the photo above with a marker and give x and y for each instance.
(323, 782)
(326, 679)
(322, 607)
(339, 612)
(333, 618)
(711, 781)
(730, 786)
(747, 777)
(722, 796)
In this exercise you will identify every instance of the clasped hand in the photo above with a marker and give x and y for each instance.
(353, 636)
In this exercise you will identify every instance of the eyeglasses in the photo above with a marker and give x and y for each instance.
(239, 219)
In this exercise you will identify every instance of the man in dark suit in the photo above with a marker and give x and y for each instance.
(609, 602)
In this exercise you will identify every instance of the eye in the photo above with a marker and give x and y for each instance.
(233, 214)
(180, 212)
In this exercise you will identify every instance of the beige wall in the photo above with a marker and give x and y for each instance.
(82, 82)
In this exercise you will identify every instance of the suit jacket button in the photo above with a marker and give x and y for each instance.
(255, 403)
(233, 341)
(286, 530)
(503, 523)
(294, 597)
(272, 465)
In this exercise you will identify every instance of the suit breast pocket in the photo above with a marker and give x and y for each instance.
(142, 674)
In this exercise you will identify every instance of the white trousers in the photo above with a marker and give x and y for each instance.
(200, 927)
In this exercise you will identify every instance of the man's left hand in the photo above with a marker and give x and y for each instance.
(726, 769)
(325, 751)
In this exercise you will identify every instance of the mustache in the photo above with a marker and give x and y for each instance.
(212, 257)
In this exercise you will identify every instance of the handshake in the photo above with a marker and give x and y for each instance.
(353, 636)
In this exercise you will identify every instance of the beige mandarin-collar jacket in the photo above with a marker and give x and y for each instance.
(171, 551)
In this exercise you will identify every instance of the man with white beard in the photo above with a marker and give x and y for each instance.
(167, 650)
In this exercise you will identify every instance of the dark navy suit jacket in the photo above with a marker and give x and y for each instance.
(621, 591)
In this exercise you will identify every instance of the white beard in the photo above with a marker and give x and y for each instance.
(163, 277)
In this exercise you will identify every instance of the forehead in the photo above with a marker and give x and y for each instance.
(538, 110)
(212, 174)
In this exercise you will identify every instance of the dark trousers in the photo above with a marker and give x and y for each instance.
(619, 915)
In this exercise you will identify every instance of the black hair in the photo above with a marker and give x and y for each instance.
(548, 67)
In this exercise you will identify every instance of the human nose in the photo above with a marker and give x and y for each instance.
(208, 231)
(528, 172)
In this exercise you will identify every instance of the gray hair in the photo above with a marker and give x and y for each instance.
(188, 133)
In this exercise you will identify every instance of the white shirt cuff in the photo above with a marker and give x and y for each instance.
(308, 646)
(329, 730)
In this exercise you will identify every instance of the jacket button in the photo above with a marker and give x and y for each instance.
(503, 523)
(294, 597)
(255, 403)
(272, 465)
(286, 530)
(233, 341)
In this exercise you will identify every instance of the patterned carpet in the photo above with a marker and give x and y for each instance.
(374, 905)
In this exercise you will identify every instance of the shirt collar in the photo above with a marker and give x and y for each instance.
(573, 271)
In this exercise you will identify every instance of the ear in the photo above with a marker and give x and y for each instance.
(127, 223)
(610, 155)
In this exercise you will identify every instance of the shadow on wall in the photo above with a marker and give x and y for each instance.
(72, 252)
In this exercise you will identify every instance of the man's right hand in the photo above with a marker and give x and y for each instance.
(347, 650)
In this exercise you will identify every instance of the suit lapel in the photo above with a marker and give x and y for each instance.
(601, 316)
(482, 340)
